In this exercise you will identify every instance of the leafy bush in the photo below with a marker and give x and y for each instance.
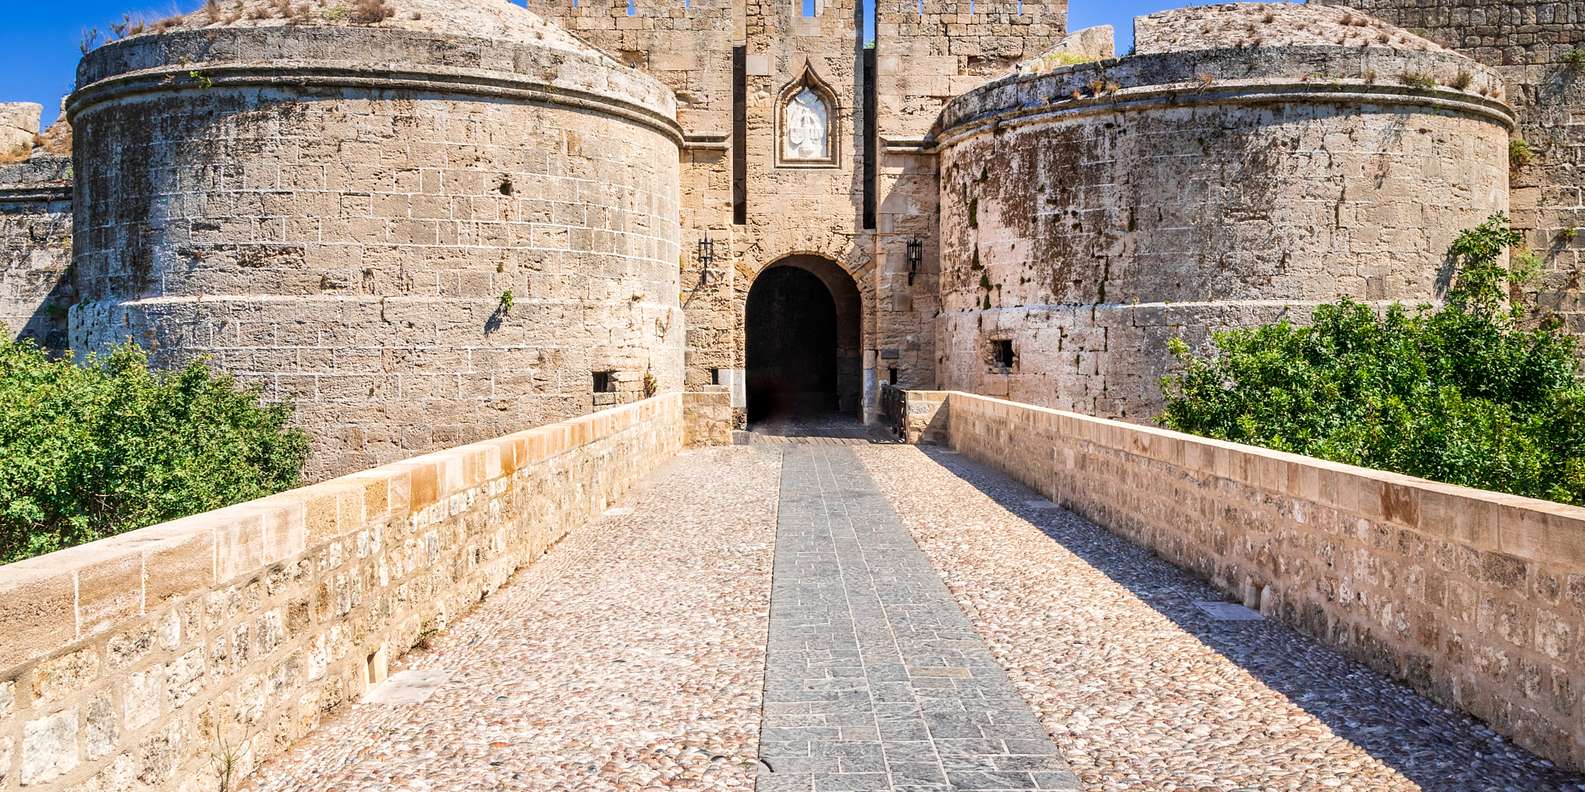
(1477, 392)
(91, 450)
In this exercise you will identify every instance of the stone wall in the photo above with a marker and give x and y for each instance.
(1473, 598)
(1091, 214)
(1539, 47)
(707, 416)
(925, 53)
(346, 236)
(689, 48)
(19, 129)
(916, 416)
(143, 659)
(36, 250)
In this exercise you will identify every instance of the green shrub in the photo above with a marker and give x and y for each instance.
(91, 450)
(1476, 392)
(1520, 154)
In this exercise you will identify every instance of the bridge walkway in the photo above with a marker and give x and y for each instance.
(845, 615)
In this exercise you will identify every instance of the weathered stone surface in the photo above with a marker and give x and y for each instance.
(101, 727)
(35, 249)
(59, 677)
(19, 125)
(708, 418)
(1539, 47)
(49, 747)
(1436, 602)
(140, 697)
(1093, 214)
(418, 261)
(246, 659)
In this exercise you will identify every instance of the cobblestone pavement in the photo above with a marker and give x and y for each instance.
(634, 657)
(1144, 691)
(631, 657)
(875, 680)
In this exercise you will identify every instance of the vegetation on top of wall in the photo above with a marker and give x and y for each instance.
(92, 450)
(1418, 80)
(1479, 392)
(229, 12)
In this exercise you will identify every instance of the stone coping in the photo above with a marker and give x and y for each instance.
(310, 60)
(70, 595)
(1241, 76)
(1272, 24)
(1526, 528)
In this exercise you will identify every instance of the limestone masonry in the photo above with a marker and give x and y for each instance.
(1469, 597)
(430, 222)
(535, 251)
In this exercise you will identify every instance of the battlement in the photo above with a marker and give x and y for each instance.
(967, 14)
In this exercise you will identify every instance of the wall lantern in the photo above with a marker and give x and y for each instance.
(916, 252)
(706, 256)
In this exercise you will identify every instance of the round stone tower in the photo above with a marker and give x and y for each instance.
(1246, 164)
(428, 222)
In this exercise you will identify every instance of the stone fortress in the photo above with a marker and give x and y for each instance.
(431, 222)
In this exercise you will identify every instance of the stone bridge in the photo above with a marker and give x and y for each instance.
(841, 612)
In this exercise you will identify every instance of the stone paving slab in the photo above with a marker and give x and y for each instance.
(875, 680)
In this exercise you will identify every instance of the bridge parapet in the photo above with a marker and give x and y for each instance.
(161, 651)
(1475, 599)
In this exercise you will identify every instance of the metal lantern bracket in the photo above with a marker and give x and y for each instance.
(706, 256)
(916, 252)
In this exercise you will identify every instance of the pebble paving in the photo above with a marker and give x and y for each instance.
(1144, 690)
(875, 680)
(929, 625)
(631, 657)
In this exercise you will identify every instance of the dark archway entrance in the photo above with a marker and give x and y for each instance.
(802, 337)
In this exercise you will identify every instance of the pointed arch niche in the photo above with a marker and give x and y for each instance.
(807, 123)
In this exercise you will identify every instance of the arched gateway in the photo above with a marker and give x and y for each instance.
(802, 341)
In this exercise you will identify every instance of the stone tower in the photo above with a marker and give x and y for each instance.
(438, 229)
(1247, 164)
(432, 221)
(1539, 48)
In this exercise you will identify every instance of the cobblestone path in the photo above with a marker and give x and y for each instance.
(929, 625)
(875, 680)
(1142, 689)
(631, 657)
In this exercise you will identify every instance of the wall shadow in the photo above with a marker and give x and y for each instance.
(1431, 745)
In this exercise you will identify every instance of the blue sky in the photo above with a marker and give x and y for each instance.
(40, 41)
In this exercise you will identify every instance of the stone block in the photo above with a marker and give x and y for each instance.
(109, 590)
(37, 611)
(140, 698)
(178, 565)
(49, 747)
(57, 678)
(101, 727)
